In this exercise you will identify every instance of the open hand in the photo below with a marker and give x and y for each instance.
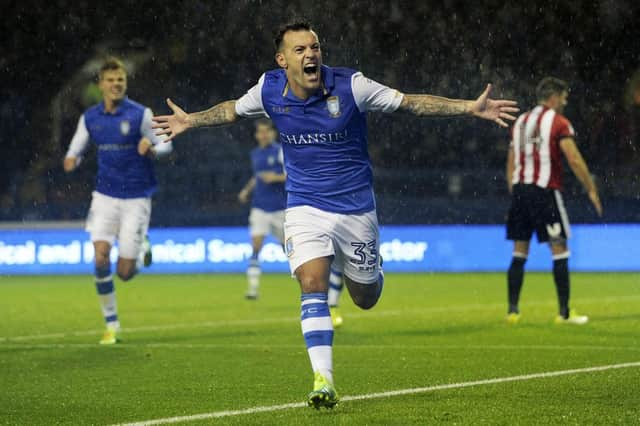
(171, 125)
(494, 110)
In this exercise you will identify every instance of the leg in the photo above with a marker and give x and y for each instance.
(358, 238)
(560, 255)
(317, 329)
(365, 296)
(127, 268)
(254, 271)
(336, 285)
(521, 222)
(310, 249)
(102, 224)
(134, 224)
(106, 290)
(515, 276)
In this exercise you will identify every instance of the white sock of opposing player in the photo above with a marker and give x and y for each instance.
(336, 286)
(317, 330)
(253, 276)
(107, 296)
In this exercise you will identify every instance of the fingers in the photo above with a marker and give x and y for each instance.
(160, 125)
(175, 108)
(485, 94)
(507, 116)
(161, 118)
(504, 103)
(164, 131)
(501, 122)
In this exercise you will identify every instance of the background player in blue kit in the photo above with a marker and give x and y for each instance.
(321, 115)
(121, 204)
(268, 198)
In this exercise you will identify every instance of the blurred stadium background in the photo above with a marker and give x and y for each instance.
(202, 52)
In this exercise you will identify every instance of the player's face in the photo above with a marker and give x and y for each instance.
(113, 85)
(264, 135)
(301, 57)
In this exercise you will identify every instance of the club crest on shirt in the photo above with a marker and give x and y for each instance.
(271, 160)
(125, 127)
(333, 105)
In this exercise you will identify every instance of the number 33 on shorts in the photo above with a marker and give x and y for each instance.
(365, 255)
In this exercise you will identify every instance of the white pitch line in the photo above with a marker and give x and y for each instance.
(226, 323)
(387, 394)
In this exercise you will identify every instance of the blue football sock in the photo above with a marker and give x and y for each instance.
(107, 295)
(317, 330)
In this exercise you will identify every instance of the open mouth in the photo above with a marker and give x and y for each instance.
(311, 69)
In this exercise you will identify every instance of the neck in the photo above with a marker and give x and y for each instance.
(549, 105)
(299, 91)
(111, 105)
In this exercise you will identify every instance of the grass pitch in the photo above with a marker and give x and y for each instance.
(193, 345)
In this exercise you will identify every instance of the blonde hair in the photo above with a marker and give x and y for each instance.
(111, 64)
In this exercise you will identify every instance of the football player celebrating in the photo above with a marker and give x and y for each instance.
(321, 115)
(121, 204)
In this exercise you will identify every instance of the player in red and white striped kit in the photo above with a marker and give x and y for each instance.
(539, 139)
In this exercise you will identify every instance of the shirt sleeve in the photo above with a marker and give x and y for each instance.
(161, 148)
(373, 96)
(563, 128)
(281, 156)
(80, 140)
(250, 104)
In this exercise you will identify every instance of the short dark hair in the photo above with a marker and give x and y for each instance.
(299, 25)
(550, 86)
(264, 122)
(110, 64)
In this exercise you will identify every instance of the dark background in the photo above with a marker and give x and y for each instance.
(203, 52)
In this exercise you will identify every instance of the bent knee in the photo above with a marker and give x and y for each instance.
(125, 273)
(365, 302)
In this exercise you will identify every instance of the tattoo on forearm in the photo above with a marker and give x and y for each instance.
(434, 106)
(217, 115)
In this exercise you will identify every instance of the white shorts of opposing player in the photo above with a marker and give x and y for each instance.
(353, 240)
(124, 219)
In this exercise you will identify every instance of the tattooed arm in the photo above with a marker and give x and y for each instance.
(483, 107)
(435, 106)
(180, 121)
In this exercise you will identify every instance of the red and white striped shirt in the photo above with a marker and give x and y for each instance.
(535, 138)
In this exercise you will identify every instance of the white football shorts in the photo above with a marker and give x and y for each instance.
(264, 223)
(352, 239)
(124, 219)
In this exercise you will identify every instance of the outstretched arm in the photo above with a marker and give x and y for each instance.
(180, 121)
(483, 107)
